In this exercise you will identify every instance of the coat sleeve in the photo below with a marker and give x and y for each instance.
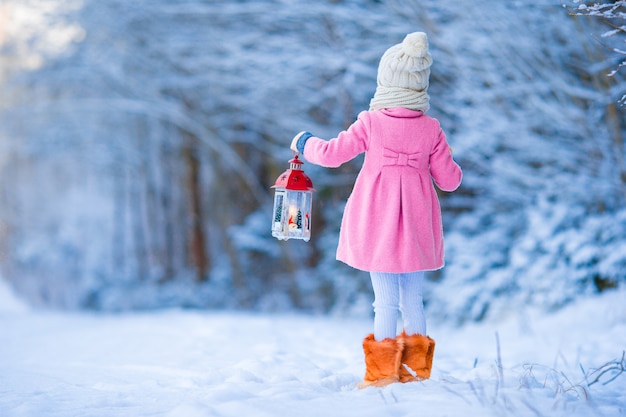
(347, 145)
(445, 172)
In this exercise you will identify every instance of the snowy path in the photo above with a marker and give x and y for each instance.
(193, 364)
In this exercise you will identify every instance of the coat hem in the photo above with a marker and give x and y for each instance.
(394, 271)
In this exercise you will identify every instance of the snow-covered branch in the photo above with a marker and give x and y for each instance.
(613, 14)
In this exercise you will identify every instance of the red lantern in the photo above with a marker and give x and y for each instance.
(292, 203)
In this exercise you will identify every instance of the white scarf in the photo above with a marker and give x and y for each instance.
(389, 97)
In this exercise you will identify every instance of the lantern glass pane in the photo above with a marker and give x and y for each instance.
(292, 214)
(279, 204)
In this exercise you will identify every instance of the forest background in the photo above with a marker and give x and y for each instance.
(139, 141)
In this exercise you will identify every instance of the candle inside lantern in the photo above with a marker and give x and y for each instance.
(292, 203)
(293, 210)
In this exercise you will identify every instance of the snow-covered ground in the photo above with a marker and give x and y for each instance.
(200, 363)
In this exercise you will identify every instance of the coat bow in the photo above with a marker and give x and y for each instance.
(402, 159)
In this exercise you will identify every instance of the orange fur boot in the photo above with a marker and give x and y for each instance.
(417, 355)
(382, 361)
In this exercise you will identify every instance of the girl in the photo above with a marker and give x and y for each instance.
(391, 225)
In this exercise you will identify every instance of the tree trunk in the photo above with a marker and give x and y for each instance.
(196, 236)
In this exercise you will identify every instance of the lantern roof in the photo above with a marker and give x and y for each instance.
(294, 178)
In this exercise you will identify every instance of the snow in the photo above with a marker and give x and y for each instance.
(102, 100)
(182, 363)
(9, 303)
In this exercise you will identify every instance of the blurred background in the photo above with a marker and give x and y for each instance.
(139, 140)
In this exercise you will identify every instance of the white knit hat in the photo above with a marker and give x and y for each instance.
(403, 75)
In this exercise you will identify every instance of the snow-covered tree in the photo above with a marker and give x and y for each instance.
(614, 13)
(137, 158)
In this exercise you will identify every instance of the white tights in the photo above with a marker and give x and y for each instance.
(393, 293)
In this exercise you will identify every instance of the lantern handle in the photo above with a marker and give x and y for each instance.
(294, 142)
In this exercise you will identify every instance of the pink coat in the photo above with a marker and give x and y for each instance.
(392, 220)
